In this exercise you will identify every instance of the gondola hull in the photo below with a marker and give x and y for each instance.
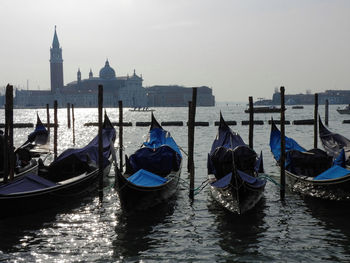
(238, 203)
(31, 169)
(135, 198)
(58, 195)
(335, 189)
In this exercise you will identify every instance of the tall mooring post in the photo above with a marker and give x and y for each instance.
(120, 104)
(191, 128)
(100, 143)
(326, 112)
(68, 115)
(55, 127)
(283, 147)
(48, 117)
(315, 120)
(73, 124)
(251, 122)
(9, 160)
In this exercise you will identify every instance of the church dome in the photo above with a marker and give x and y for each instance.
(107, 72)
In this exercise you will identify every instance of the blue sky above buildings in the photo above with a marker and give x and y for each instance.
(239, 48)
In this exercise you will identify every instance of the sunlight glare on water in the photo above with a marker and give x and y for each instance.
(297, 230)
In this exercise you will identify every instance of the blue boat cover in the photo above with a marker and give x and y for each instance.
(340, 160)
(160, 156)
(40, 135)
(228, 148)
(146, 178)
(77, 161)
(226, 138)
(159, 137)
(275, 143)
(27, 183)
(332, 173)
(250, 180)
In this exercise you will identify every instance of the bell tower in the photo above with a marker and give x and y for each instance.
(56, 65)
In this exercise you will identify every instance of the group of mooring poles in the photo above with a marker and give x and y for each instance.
(283, 141)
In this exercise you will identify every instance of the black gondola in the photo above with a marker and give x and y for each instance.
(27, 154)
(233, 170)
(333, 143)
(311, 173)
(152, 172)
(74, 173)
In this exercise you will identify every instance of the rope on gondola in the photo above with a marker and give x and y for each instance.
(198, 189)
(269, 178)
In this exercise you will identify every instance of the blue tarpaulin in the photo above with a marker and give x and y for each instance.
(146, 178)
(27, 183)
(161, 155)
(159, 137)
(332, 173)
(252, 181)
(275, 143)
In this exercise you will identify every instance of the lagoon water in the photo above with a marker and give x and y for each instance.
(297, 230)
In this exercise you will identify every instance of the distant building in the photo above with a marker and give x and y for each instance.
(177, 96)
(333, 97)
(83, 92)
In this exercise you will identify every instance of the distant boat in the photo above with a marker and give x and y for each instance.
(264, 109)
(144, 109)
(345, 110)
(298, 107)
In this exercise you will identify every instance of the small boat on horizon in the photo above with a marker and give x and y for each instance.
(344, 110)
(264, 109)
(142, 109)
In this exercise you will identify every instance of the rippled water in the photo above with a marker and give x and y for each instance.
(297, 230)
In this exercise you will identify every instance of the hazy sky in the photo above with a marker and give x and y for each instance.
(238, 48)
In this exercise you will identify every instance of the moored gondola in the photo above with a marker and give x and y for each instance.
(74, 173)
(26, 155)
(152, 172)
(332, 142)
(313, 172)
(233, 170)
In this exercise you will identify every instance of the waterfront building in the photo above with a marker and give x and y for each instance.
(83, 92)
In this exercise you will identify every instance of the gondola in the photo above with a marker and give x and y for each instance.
(74, 173)
(26, 155)
(233, 170)
(313, 172)
(152, 173)
(333, 143)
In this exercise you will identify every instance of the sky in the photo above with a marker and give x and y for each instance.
(239, 48)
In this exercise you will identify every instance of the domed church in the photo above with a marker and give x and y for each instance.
(126, 88)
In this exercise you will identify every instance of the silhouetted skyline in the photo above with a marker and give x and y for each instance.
(238, 48)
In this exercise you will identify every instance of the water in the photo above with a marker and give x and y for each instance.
(297, 230)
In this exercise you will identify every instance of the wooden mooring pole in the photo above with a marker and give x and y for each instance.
(283, 148)
(68, 115)
(48, 117)
(251, 122)
(315, 120)
(120, 104)
(55, 127)
(189, 137)
(9, 159)
(100, 145)
(191, 122)
(326, 112)
(73, 124)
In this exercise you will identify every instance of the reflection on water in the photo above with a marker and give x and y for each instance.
(199, 231)
(239, 234)
(133, 231)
